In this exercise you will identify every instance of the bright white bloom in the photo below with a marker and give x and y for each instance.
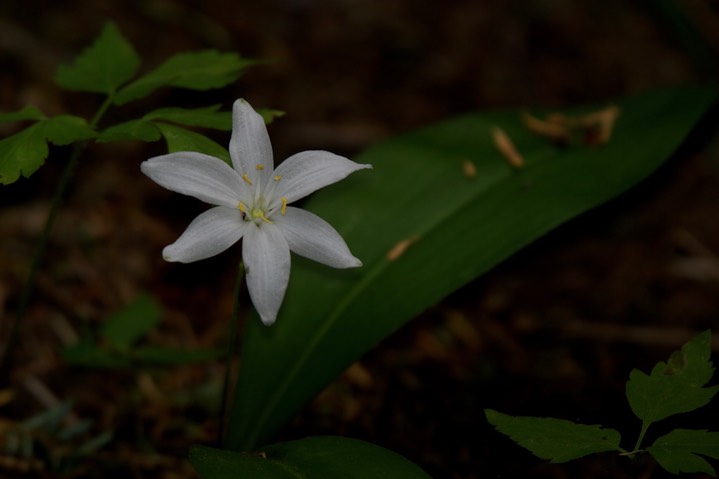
(252, 203)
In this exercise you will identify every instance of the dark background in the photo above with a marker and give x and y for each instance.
(553, 331)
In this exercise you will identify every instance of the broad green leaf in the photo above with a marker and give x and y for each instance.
(679, 451)
(201, 70)
(557, 440)
(208, 117)
(103, 67)
(424, 224)
(180, 139)
(139, 130)
(132, 323)
(325, 457)
(676, 386)
(27, 113)
(22, 153)
(67, 129)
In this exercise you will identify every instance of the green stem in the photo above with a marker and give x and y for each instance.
(101, 111)
(231, 354)
(37, 255)
(39, 252)
(645, 426)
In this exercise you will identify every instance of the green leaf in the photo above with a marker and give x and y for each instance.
(557, 440)
(140, 130)
(450, 225)
(27, 113)
(325, 457)
(124, 328)
(208, 117)
(269, 115)
(676, 386)
(678, 452)
(180, 139)
(103, 67)
(67, 129)
(201, 70)
(25, 152)
(22, 153)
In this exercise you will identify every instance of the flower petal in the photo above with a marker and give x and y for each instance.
(267, 257)
(250, 147)
(209, 234)
(308, 171)
(312, 237)
(195, 174)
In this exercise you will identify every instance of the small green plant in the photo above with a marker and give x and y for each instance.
(120, 341)
(673, 387)
(443, 205)
(109, 67)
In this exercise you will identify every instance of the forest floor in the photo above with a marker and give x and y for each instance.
(554, 331)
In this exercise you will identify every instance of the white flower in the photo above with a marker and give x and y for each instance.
(252, 203)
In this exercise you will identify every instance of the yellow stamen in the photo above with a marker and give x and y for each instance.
(242, 207)
(258, 213)
(247, 179)
(284, 206)
(278, 177)
(260, 167)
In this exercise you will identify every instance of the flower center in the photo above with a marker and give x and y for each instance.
(262, 209)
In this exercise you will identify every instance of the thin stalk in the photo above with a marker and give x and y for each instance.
(231, 354)
(645, 426)
(37, 256)
(67, 174)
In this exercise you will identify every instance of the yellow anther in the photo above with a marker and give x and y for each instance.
(247, 179)
(242, 207)
(284, 206)
(260, 167)
(258, 213)
(278, 177)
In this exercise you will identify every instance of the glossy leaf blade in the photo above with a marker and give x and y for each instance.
(557, 440)
(102, 67)
(452, 226)
(325, 457)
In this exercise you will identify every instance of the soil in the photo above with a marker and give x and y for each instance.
(554, 331)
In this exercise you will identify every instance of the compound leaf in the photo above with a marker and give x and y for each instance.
(557, 440)
(201, 70)
(102, 67)
(676, 386)
(67, 129)
(27, 113)
(22, 153)
(679, 451)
